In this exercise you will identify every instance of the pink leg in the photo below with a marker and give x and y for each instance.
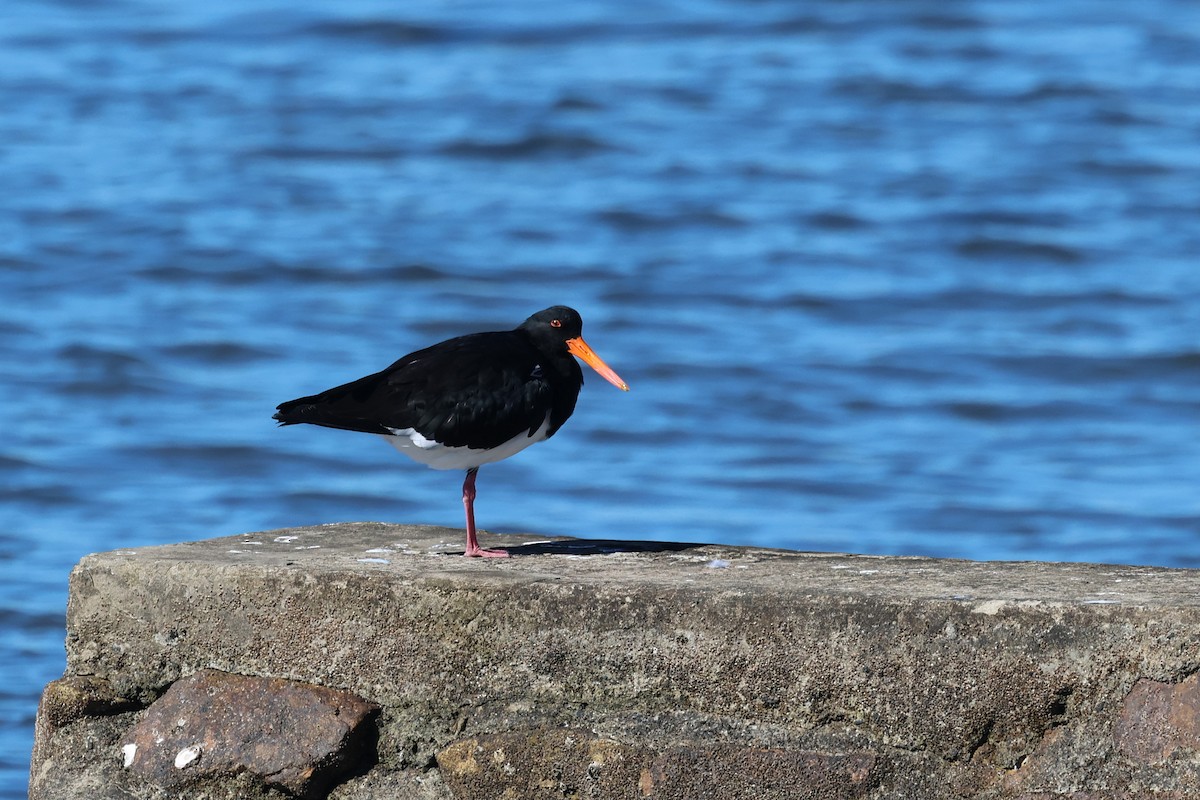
(473, 548)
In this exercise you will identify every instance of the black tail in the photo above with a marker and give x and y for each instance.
(300, 410)
(341, 407)
(286, 414)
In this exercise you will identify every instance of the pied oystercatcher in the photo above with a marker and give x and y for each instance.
(467, 401)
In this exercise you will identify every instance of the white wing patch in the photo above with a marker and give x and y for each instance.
(439, 456)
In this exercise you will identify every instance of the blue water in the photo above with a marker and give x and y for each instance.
(885, 277)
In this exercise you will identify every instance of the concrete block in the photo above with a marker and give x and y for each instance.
(636, 669)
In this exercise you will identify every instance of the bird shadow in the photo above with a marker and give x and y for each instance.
(597, 547)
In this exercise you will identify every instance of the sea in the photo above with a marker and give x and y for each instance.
(884, 276)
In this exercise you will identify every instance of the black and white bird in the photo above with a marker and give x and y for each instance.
(467, 401)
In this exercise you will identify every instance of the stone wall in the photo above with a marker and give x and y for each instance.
(369, 661)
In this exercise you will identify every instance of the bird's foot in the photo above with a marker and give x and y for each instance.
(479, 552)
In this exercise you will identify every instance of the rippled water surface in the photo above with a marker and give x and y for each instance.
(885, 277)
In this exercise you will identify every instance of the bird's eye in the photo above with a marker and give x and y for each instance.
(556, 323)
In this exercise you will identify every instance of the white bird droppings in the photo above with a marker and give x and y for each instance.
(718, 563)
(285, 539)
(129, 751)
(374, 561)
(187, 755)
(383, 550)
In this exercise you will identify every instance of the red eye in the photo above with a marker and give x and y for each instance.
(556, 323)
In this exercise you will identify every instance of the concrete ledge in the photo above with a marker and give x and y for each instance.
(632, 669)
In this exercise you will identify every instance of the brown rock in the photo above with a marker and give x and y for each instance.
(68, 699)
(294, 736)
(1158, 718)
(555, 763)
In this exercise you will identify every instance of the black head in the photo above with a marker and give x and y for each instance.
(560, 328)
(557, 323)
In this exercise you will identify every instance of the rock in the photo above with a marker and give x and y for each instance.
(294, 736)
(556, 763)
(69, 699)
(1157, 719)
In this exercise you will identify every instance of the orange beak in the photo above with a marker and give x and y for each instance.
(579, 348)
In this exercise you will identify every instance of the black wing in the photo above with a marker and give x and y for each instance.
(477, 391)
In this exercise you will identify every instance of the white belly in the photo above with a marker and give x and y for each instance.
(439, 456)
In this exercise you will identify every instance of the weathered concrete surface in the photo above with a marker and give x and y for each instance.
(588, 669)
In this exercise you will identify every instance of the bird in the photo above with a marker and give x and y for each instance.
(467, 401)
